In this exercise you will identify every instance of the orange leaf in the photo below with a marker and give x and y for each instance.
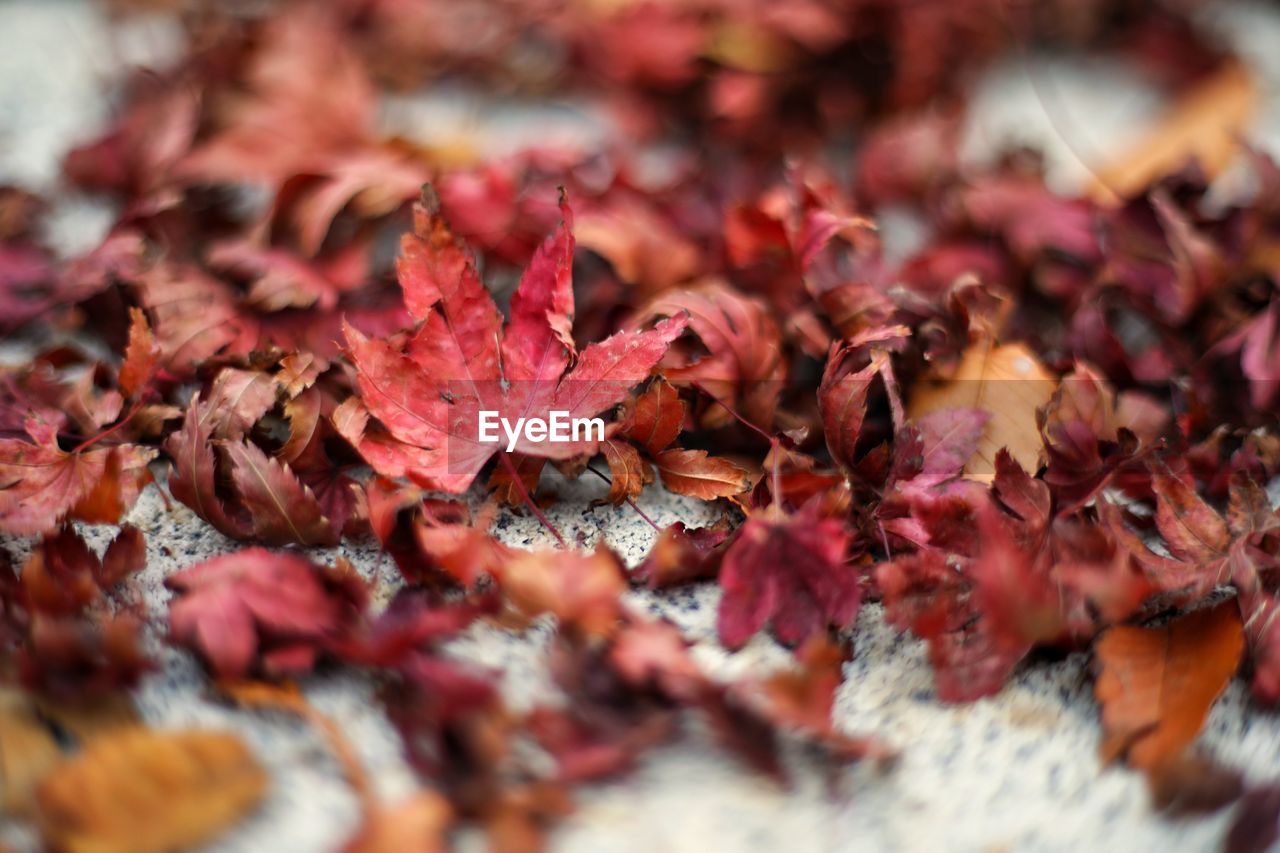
(1156, 685)
(694, 473)
(629, 474)
(1006, 380)
(141, 354)
(28, 751)
(581, 590)
(1205, 123)
(656, 417)
(140, 790)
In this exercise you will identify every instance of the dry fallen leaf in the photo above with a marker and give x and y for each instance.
(1006, 380)
(28, 751)
(142, 790)
(1156, 685)
(29, 744)
(1205, 123)
(88, 720)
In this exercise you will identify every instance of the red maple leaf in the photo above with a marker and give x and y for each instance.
(461, 360)
(789, 571)
(41, 484)
(258, 607)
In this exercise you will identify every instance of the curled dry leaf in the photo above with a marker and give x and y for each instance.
(628, 472)
(284, 510)
(656, 416)
(743, 361)
(236, 486)
(1156, 685)
(694, 473)
(681, 554)
(141, 790)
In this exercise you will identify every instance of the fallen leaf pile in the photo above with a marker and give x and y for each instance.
(1048, 426)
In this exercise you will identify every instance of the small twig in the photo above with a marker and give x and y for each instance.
(88, 442)
(775, 476)
(258, 695)
(731, 410)
(632, 503)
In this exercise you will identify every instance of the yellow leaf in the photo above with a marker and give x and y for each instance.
(139, 790)
(28, 747)
(1206, 123)
(28, 751)
(1006, 380)
(737, 44)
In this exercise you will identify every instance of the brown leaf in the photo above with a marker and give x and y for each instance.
(505, 485)
(29, 745)
(629, 474)
(694, 473)
(126, 554)
(741, 361)
(1006, 380)
(1156, 685)
(680, 555)
(141, 790)
(1205, 123)
(1192, 784)
(581, 590)
(194, 476)
(656, 417)
(85, 720)
(284, 511)
(1192, 530)
(28, 752)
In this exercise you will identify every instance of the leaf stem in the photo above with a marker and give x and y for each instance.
(528, 499)
(742, 420)
(632, 503)
(133, 410)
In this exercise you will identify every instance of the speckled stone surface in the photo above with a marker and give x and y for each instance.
(1017, 771)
